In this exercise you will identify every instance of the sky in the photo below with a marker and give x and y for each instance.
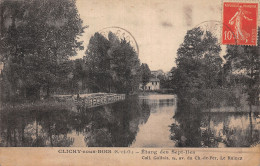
(158, 26)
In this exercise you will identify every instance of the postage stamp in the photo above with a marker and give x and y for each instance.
(240, 20)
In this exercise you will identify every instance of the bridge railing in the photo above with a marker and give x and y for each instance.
(92, 100)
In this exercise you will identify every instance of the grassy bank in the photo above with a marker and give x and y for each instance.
(241, 109)
(42, 105)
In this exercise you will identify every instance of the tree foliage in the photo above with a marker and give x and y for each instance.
(113, 64)
(98, 62)
(202, 80)
(145, 73)
(245, 61)
(198, 62)
(37, 37)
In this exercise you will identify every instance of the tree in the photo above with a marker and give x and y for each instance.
(98, 62)
(198, 69)
(198, 61)
(172, 81)
(36, 37)
(113, 64)
(125, 66)
(145, 73)
(245, 61)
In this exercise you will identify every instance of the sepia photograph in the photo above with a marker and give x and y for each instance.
(133, 74)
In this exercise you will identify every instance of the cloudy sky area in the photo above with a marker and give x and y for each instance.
(159, 26)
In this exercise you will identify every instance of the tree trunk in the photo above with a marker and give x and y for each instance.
(2, 21)
(50, 135)
(48, 91)
(251, 126)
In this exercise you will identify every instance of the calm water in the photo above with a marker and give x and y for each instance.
(144, 121)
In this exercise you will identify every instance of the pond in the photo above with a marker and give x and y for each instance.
(138, 121)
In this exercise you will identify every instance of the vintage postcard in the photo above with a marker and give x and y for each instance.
(137, 82)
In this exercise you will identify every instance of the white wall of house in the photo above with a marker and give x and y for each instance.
(152, 85)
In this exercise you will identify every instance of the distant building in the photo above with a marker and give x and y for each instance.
(153, 84)
(157, 72)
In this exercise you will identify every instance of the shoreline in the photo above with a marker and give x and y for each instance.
(232, 109)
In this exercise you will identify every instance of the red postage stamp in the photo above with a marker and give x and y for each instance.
(239, 23)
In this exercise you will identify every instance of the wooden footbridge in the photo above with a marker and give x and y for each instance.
(91, 100)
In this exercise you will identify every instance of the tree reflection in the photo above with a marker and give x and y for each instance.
(117, 124)
(186, 130)
(105, 126)
(193, 128)
(35, 128)
(55, 126)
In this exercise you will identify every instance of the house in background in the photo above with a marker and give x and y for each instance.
(156, 73)
(153, 84)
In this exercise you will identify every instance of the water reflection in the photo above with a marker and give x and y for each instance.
(111, 125)
(34, 128)
(116, 124)
(196, 129)
(144, 121)
(155, 132)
